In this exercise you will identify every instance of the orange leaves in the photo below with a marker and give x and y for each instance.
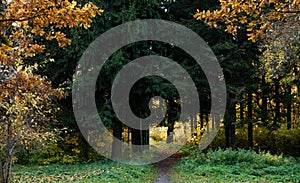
(33, 16)
(72, 16)
(21, 20)
(32, 50)
(26, 83)
(26, 93)
(255, 14)
(231, 29)
(198, 15)
(243, 20)
(24, 96)
(61, 39)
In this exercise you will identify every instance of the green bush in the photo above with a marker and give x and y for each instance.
(69, 150)
(236, 166)
(42, 154)
(281, 141)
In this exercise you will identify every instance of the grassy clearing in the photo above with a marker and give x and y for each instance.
(213, 166)
(103, 171)
(235, 166)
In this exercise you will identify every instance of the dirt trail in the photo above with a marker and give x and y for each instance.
(163, 168)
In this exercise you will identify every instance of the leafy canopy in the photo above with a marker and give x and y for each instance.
(256, 15)
(25, 97)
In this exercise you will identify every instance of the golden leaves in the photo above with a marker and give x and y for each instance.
(26, 97)
(255, 14)
(33, 16)
(60, 37)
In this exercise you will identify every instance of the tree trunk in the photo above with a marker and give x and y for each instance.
(207, 120)
(1, 172)
(117, 145)
(230, 121)
(140, 137)
(289, 108)
(232, 126)
(135, 138)
(250, 121)
(227, 124)
(277, 104)
(145, 138)
(8, 163)
(172, 117)
(8, 160)
(241, 109)
(170, 132)
(5, 170)
(201, 119)
(227, 134)
(264, 104)
(192, 126)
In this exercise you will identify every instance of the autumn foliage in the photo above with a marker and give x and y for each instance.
(25, 98)
(257, 15)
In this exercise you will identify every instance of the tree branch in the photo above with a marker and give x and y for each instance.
(37, 14)
(17, 20)
(289, 11)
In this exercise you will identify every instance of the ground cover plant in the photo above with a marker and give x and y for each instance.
(102, 171)
(211, 166)
(235, 166)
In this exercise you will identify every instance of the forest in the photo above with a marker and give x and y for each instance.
(44, 43)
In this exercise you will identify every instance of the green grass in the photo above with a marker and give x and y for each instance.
(235, 166)
(213, 166)
(103, 171)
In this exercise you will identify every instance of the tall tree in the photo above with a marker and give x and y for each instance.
(25, 96)
(265, 22)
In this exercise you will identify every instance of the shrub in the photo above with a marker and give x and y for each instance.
(236, 166)
(68, 150)
(281, 141)
(156, 137)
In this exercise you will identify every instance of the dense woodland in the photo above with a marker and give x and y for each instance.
(258, 52)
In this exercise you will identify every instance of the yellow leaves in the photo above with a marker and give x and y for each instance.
(33, 16)
(65, 4)
(38, 31)
(27, 94)
(207, 13)
(251, 37)
(73, 4)
(249, 29)
(8, 85)
(61, 39)
(197, 15)
(271, 1)
(243, 20)
(238, 9)
(245, 8)
(229, 29)
(228, 10)
(255, 14)
(212, 24)
(32, 50)
(263, 4)
(263, 27)
(100, 11)
(215, 25)
(76, 150)
(35, 66)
